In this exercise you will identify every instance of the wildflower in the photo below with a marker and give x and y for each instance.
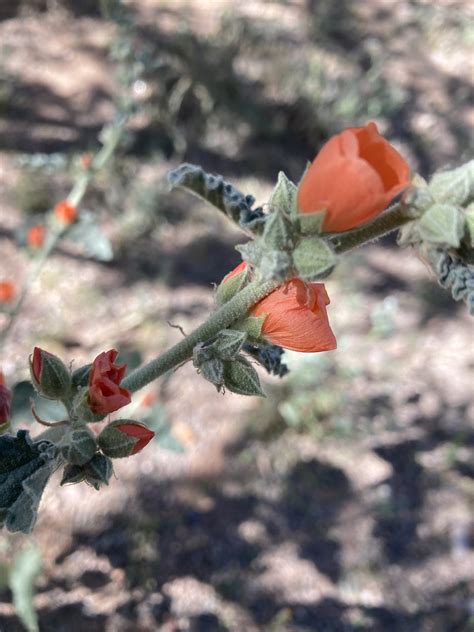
(7, 292)
(105, 393)
(35, 236)
(65, 212)
(124, 437)
(296, 317)
(353, 178)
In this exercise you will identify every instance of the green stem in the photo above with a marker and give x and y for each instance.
(389, 221)
(235, 309)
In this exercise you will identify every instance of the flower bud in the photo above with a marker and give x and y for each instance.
(232, 283)
(105, 393)
(49, 374)
(35, 236)
(65, 212)
(124, 437)
(98, 471)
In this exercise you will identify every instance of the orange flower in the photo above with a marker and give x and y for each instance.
(7, 291)
(65, 212)
(354, 177)
(296, 317)
(105, 393)
(35, 236)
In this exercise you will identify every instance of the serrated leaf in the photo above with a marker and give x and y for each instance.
(442, 224)
(89, 235)
(313, 258)
(241, 377)
(25, 570)
(221, 194)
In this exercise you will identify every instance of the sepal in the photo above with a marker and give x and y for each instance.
(49, 375)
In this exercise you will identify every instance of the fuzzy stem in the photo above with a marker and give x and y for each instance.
(235, 309)
(389, 221)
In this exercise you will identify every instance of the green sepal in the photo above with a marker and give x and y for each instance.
(73, 474)
(229, 343)
(241, 377)
(408, 234)
(98, 471)
(55, 378)
(313, 258)
(80, 377)
(278, 232)
(114, 443)
(80, 446)
(455, 186)
(311, 223)
(275, 265)
(213, 371)
(418, 197)
(442, 224)
(283, 196)
(229, 288)
(251, 325)
(81, 407)
(251, 252)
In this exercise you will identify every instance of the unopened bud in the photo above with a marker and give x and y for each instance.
(49, 375)
(123, 438)
(80, 447)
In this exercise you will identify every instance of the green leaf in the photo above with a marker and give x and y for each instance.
(313, 258)
(241, 377)
(221, 194)
(26, 568)
(87, 233)
(442, 224)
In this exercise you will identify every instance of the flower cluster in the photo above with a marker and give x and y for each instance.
(352, 180)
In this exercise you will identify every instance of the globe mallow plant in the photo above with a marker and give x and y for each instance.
(358, 188)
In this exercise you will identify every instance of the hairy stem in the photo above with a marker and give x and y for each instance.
(235, 309)
(389, 221)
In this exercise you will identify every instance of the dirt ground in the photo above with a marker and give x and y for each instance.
(358, 518)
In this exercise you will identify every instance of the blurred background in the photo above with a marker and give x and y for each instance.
(344, 500)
